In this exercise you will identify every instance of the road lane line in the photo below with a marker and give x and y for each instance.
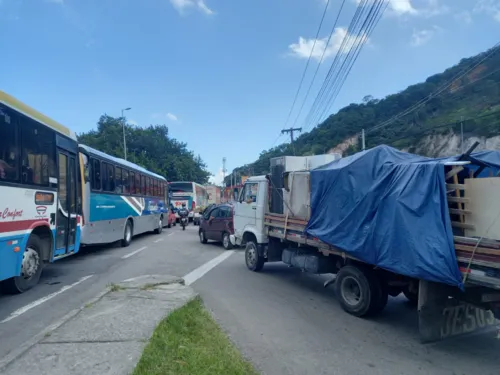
(159, 240)
(134, 252)
(170, 234)
(196, 274)
(38, 302)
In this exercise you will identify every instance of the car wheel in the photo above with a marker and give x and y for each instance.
(203, 238)
(226, 241)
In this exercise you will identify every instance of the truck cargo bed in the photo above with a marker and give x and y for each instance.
(484, 260)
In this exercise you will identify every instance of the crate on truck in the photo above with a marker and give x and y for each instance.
(385, 222)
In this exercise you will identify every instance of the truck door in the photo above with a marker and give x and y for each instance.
(245, 213)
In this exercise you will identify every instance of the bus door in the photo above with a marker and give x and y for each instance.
(66, 217)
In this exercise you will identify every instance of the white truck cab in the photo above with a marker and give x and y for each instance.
(249, 212)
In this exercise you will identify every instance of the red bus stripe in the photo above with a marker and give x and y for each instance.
(11, 226)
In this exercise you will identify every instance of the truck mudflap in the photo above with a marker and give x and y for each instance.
(441, 317)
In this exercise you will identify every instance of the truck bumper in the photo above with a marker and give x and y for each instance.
(232, 239)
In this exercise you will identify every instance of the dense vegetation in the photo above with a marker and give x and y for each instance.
(474, 96)
(149, 147)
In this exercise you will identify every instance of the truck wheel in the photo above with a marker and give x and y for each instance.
(254, 261)
(226, 241)
(359, 291)
(31, 268)
(127, 234)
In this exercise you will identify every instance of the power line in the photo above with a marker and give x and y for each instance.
(320, 62)
(362, 25)
(435, 93)
(307, 64)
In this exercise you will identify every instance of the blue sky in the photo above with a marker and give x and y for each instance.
(221, 74)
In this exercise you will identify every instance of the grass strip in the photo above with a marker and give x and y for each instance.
(189, 341)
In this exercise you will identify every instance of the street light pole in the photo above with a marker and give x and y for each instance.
(123, 127)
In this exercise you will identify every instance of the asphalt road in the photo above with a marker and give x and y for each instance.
(85, 275)
(285, 322)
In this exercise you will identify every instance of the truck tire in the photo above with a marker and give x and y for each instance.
(360, 292)
(160, 226)
(31, 268)
(253, 260)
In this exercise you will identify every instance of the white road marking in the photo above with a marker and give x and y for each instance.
(38, 302)
(194, 275)
(161, 239)
(170, 234)
(134, 252)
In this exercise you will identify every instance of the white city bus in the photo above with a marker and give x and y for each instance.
(194, 195)
(39, 194)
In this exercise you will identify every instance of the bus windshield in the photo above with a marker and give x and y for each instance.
(181, 187)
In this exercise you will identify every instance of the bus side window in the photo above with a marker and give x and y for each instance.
(38, 158)
(96, 174)
(137, 184)
(111, 178)
(9, 146)
(132, 183)
(143, 184)
(118, 180)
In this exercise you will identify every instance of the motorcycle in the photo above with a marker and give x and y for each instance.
(184, 222)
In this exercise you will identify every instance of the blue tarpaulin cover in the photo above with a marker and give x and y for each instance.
(389, 208)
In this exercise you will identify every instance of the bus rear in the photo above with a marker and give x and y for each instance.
(182, 192)
(39, 194)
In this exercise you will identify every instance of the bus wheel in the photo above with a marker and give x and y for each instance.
(31, 268)
(160, 226)
(127, 234)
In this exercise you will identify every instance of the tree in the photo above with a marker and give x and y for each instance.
(474, 96)
(149, 147)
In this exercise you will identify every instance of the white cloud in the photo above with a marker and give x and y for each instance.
(218, 178)
(183, 5)
(163, 116)
(132, 122)
(489, 7)
(465, 17)
(171, 116)
(421, 37)
(303, 48)
(429, 8)
(396, 7)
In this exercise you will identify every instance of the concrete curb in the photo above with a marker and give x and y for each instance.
(133, 283)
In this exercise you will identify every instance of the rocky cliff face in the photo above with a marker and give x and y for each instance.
(450, 144)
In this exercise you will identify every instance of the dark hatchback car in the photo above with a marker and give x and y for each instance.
(217, 225)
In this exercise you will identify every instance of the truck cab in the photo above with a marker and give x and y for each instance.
(249, 212)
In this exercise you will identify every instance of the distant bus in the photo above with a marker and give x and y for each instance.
(40, 197)
(120, 199)
(192, 194)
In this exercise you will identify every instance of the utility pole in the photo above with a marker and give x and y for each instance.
(224, 171)
(363, 139)
(123, 127)
(291, 130)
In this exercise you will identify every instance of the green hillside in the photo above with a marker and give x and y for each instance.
(473, 96)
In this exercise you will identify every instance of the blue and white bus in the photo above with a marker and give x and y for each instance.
(194, 195)
(40, 196)
(120, 199)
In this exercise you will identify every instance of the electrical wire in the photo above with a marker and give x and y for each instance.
(307, 64)
(320, 62)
